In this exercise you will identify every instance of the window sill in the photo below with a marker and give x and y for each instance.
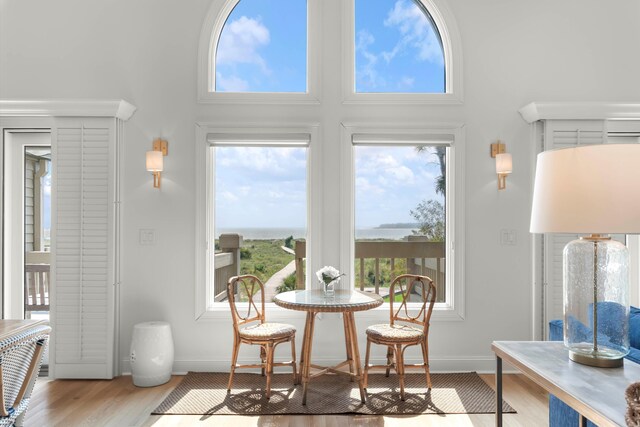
(266, 98)
(362, 98)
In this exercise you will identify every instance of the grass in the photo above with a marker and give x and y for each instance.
(264, 259)
(400, 267)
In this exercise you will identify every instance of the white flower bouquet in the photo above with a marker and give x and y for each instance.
(328, 276)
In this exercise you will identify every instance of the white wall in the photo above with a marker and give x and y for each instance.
(145, 51)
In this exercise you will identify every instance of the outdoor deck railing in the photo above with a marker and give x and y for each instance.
(421, 257)
(227, 264)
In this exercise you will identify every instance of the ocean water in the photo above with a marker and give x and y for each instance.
(298, 233)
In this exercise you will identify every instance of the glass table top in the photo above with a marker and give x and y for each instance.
(316, 300)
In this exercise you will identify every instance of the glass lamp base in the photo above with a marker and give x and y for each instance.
(605, 360)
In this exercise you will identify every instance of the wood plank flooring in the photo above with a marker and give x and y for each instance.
(119, 403)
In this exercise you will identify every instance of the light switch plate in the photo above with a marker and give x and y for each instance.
(508, 237)
(147, 236)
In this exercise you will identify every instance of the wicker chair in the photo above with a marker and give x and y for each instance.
(20, 360)
(398, 336)
(266, 335)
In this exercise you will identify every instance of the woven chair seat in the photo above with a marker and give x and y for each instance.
(266, 331)
(396, 333)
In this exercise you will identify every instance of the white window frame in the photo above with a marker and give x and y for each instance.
(412, 134)
(205, 306)
(214, 22)
(452, 47)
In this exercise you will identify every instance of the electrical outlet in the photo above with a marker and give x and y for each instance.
(147, 236)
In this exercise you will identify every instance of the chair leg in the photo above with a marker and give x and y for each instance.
(400, 368)
(389, 360)
(425, 356)
(263, 358)
(269, 368)
(366, 364)
(234, 361)
(293, 360)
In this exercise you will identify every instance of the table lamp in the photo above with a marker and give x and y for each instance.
(593, 190)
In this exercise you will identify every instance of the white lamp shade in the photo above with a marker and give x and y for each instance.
(504, 163)
(587, 190)
(154, 161)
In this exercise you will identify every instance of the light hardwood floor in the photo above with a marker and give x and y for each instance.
(119, 403)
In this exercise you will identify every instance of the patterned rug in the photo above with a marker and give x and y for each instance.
(206, 393)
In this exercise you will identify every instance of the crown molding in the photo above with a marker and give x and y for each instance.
(535, 111)
(117, 108)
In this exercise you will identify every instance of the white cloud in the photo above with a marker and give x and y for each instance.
(367, 71)
(363, 186)
(402, 174)
(240, 41)
(228, 196)
(231, 83)
(406, 82)
(269, 161)
(416, 31)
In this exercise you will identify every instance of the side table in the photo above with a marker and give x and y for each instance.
(151, 354)
(595, 393)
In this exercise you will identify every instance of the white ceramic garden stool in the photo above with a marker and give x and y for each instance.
(151, 354)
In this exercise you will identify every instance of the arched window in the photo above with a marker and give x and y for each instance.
(398, 177)
(398, 48)
(261, 48)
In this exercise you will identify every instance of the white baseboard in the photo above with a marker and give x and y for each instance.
(480, 364)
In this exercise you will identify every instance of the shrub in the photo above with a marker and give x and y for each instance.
(245, 253)
(288, 242)
(289, 284)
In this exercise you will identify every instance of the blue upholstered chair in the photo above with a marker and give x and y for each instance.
(561, 414)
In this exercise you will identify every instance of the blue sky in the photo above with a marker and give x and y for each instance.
(390, 181)
(266, 186)
(263, 48)
(396, 48)
(260, 187)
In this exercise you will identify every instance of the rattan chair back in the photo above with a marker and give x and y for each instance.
(249, 311)
(406, 285)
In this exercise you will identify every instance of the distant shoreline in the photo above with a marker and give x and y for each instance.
(402, 225)
(396, 233)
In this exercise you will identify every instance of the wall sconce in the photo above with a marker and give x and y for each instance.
(504, 163)
(155, 160)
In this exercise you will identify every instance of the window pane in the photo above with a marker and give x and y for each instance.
(397, 47)
(260, 195)
(399, 215)
(263, 48)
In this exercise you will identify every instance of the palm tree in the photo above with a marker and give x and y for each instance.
(441, 152)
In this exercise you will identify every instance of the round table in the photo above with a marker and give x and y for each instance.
(314, 302)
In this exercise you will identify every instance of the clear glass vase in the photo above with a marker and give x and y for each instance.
(596, 301)
(330, 288)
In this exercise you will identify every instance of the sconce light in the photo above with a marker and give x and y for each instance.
(504, 163)
(155, 160)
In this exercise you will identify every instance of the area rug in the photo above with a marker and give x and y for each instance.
(206, 394)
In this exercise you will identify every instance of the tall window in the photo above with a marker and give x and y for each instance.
(380, 198)
(260, 213)
(263, 48)
(397, 48)
(400, 214)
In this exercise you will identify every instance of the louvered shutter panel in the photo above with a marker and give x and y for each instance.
(83, 159)
(563, 134)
